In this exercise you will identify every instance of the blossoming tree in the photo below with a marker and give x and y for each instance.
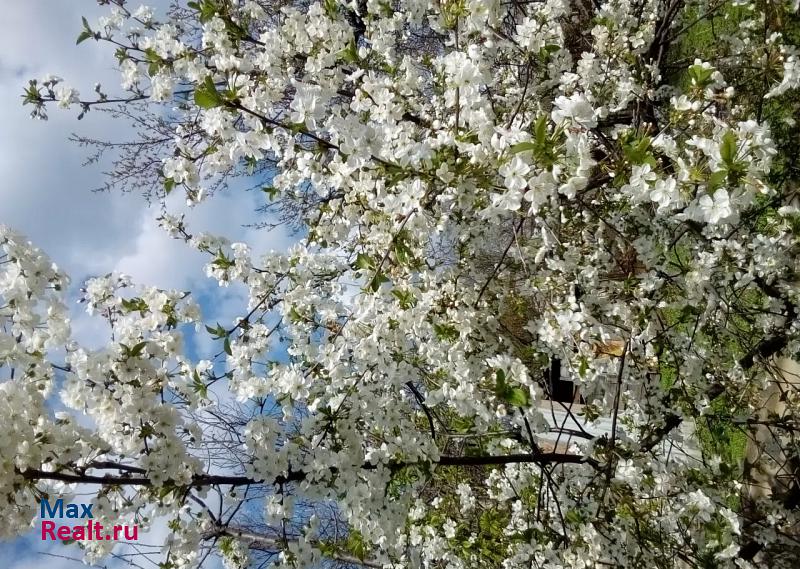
(485, 187)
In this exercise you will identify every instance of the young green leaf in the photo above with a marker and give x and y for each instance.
(517, 397)
(727, 148)
(206, 95)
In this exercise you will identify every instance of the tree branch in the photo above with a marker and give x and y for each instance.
(201, 480)
(266, 543)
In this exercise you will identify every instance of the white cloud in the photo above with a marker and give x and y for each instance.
(46, 194)
(158, 260)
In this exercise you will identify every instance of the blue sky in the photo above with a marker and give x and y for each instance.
(46, 194)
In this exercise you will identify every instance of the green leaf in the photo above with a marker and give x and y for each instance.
(330, 8)
(716, 180)
(86, 33)
(222, 261)
(135, 304)
(251, 164)
(294, 315)
(137, 349)
(199, 387)
(377, 281)
(206, 95)
(583, 367)
(637, 150)
(446, 332)
(406, 298)
(364, 262)
(544, 146)
(350, 53)
(217, 332)
(205, 100)
(133, 352)
(147, 431)
(227, 347)
(500, 375)
(402, 253)
(356, 544)
(573, 517)
(169, 185)
(154, 60)
(517, 396)
(727, 148)
(590, 412)
(523, 147)
(31, 94)
(700, 75)
(540, 130)
(207, 8)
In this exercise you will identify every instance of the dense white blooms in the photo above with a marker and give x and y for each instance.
(484, 187)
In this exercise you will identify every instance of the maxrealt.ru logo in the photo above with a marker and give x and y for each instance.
(89, 532)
